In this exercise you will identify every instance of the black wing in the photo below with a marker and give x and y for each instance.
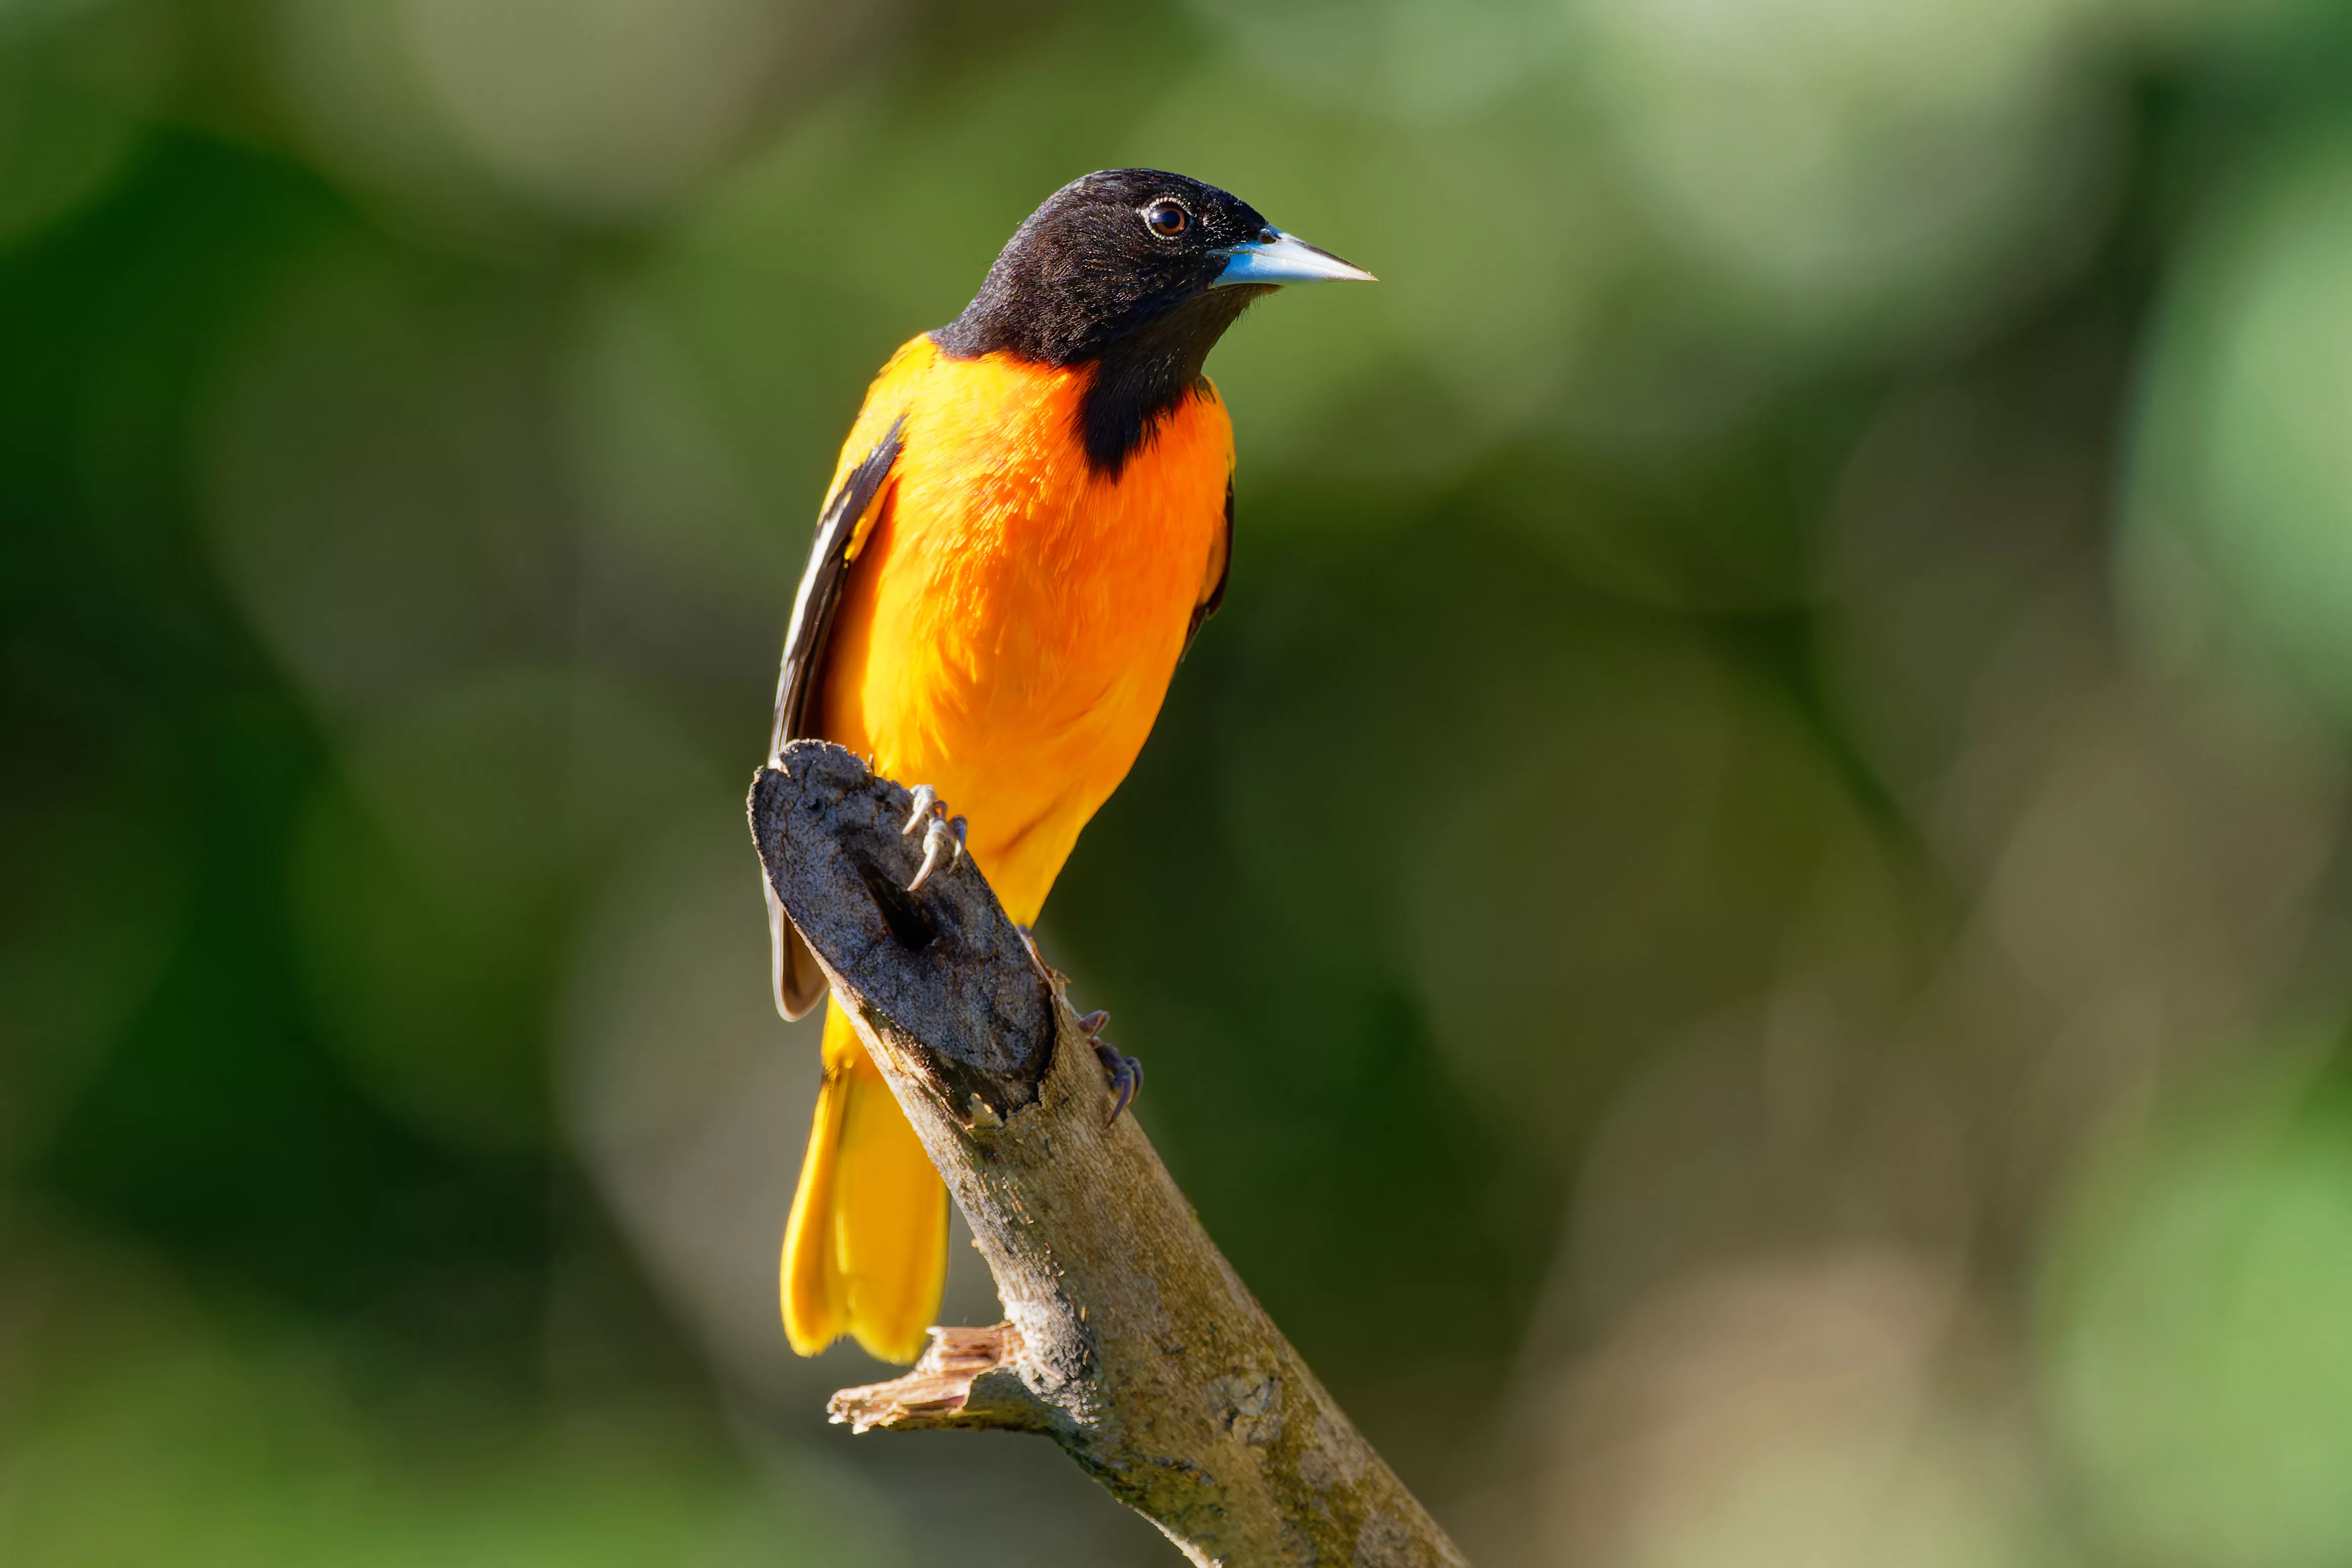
(1208, 607)
(799, 983)
(819, 595)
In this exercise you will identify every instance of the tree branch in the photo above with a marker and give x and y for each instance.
(1128, 1341)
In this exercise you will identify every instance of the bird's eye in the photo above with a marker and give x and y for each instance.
(1166, 220)
(1267, 237)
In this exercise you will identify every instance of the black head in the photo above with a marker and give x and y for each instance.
(1136, 273)
(1105, 257)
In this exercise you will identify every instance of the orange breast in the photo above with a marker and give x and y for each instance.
(1012, 618)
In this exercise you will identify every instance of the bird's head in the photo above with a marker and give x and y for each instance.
(1127, 254)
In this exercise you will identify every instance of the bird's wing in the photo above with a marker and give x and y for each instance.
(1221, 567)
(819, 595)
(799, 983)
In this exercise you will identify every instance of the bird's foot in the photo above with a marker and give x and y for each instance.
(943, 834)
(1126, 1074)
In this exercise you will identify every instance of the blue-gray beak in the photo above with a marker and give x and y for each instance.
(1279, 257)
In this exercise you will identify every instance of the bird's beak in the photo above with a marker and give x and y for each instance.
(1287, 258)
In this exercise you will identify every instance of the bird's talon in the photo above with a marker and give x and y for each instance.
(927, 803)
(1126, 1079)
(944, 836)
(941, 845)
(1095, 1023)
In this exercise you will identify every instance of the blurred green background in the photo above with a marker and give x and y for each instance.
(1741, 926)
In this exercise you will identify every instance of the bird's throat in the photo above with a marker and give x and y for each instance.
(1140, 377)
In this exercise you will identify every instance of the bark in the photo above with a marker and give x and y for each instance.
(1127, 1339)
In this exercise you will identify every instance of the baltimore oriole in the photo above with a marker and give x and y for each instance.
(1030, 519)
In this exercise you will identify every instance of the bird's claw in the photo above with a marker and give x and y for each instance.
(927, 803)
(942, 835)
(942, 844)
(1126, 1079)
(1126, 1072)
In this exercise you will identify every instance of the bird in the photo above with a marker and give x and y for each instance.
(1030, 519)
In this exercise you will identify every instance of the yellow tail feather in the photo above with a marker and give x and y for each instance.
(867, 1247)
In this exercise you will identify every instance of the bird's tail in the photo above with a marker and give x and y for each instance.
(867, 1247)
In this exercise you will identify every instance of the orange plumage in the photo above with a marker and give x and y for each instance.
(1014, 617)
